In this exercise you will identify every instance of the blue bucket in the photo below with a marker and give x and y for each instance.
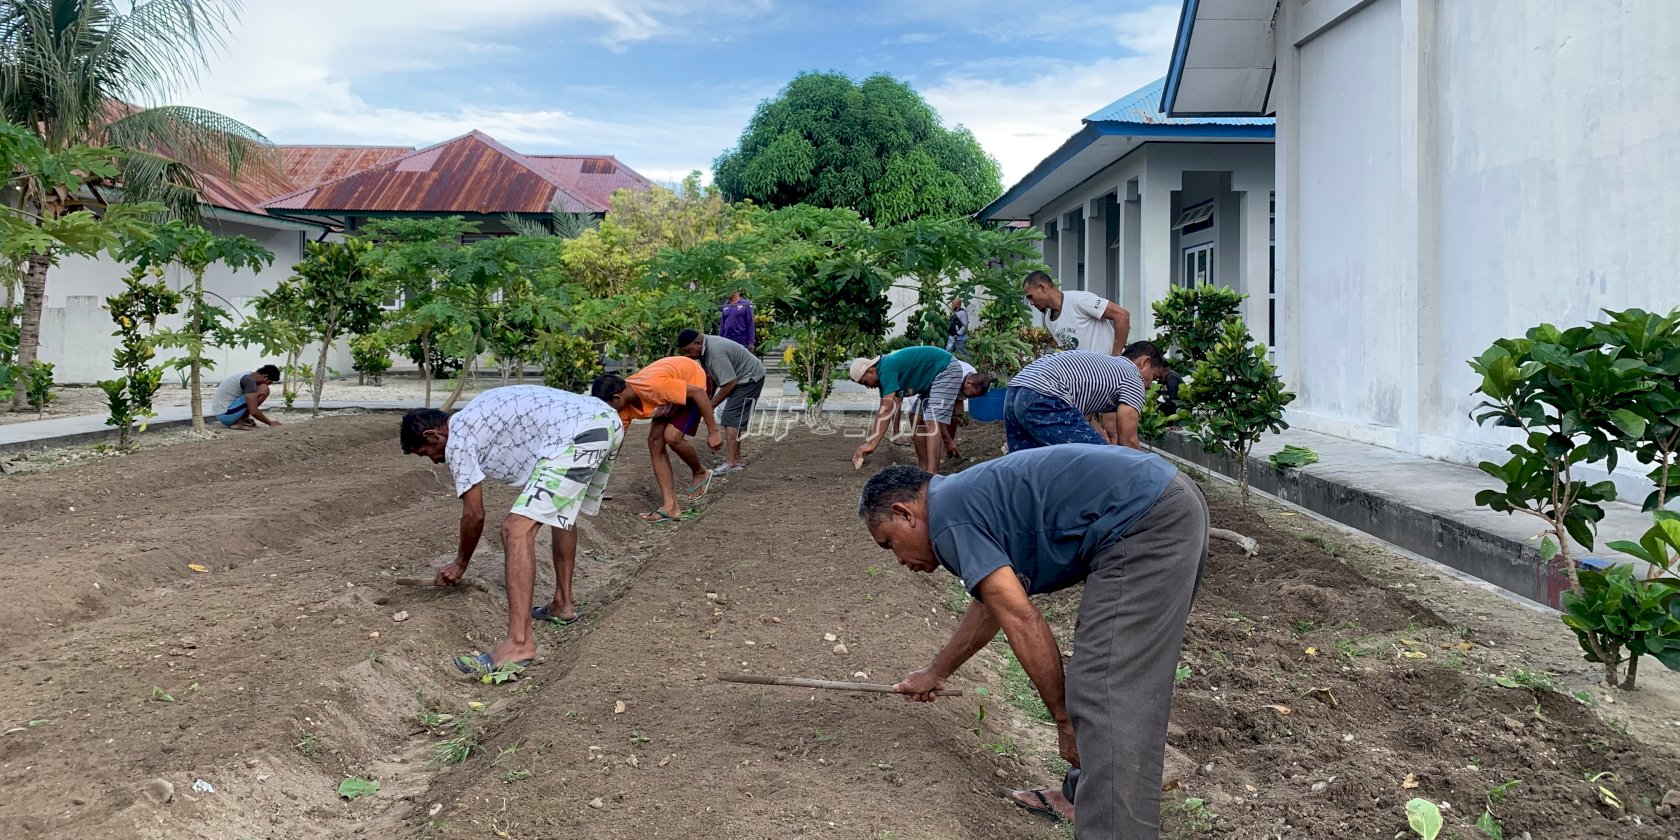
(988, 407)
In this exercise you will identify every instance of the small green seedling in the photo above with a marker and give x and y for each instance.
(873, 571)
(308, 743)
(516, 776)
(1489, 825)
(1498, 793)
(353, 788)
(506, 751)
(1424, 817)
(376, 657)
(161, 696)
(1197, 817)
(636, 739)
(1181, 674)
(1606, 795)
(1305, 626)
(505, 673)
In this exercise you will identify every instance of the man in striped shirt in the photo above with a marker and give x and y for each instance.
(1050, 398)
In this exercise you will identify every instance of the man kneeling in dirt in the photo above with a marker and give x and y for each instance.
(559, 447)
(1126, 524)
(238, 400)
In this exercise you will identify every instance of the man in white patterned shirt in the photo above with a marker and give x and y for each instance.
(1049, 400)
(559, 447)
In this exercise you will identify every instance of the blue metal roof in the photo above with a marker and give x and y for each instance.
(1143, 107)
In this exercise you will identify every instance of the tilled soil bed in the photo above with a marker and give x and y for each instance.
(1314, 702)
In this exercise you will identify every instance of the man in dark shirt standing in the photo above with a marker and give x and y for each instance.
(1125, 523)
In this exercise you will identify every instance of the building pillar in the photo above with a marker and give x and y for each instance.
(1155, 241)
(1071, 254)
(1096, 247)
(1131, 258)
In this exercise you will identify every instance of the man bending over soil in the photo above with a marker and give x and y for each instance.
(739, 378)
(936, 379)
(672, 393)
(1049, 400)
(238, 400)
(560, 448)
(1125, 523)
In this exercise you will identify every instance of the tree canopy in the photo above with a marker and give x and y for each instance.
(873, 146)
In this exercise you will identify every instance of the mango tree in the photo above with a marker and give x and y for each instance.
(341, 295)
(206, 324)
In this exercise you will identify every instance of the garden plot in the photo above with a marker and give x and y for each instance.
(262, 677)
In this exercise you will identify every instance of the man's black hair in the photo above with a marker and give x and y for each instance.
(1139, 350)
(1040, 277)
(982, 378)
(893, 485)
(270, 371)
(416, 423)
(606, 386)
(686, 337)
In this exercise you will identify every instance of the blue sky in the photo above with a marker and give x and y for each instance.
(666, 84)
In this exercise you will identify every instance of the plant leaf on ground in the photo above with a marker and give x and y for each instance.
(1294, 456)
(353, 788)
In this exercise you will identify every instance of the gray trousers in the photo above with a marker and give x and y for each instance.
(1125, 652)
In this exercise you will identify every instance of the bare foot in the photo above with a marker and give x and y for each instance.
(506, 651)
(1048, 801)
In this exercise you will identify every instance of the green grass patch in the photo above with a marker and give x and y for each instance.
(1019, 691)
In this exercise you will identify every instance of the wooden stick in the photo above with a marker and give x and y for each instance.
(415, 581)
(832, 685)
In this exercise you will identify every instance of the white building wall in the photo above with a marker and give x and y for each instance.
(1456, 172)
(76, 329)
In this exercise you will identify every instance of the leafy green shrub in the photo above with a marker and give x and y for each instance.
(569, 362)
(1234, 396)
(136, 311)
(38, 378)
(1615, 611)
(1191, 321)
(370, 355)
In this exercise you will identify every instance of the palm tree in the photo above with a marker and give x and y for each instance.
(560, 223)
(69, 68)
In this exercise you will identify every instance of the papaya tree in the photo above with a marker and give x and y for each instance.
(206, 323)
(279, 328)
(414, 258)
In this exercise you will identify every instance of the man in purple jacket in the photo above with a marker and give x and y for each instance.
(738, 325)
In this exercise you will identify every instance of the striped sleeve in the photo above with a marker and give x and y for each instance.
(1094, 383)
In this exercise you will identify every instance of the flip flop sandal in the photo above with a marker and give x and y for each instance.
(698, 491)
(1043, 808)
(542, 614)
(659, 517)
(480, 664)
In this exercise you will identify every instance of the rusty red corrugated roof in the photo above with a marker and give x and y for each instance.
(469, 174)
(595, 176)
(307, 166)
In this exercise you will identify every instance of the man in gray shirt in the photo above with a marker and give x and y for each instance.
(740, 380)
(1125, 523)
(238, 400)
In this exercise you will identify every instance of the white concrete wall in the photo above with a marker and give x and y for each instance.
(1454, 172)
(76, 330)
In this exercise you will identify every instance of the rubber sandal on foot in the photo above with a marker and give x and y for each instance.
(481, 664)
(542, 613)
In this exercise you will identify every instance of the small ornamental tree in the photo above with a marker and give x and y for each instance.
(370, 356)
(1571, 397)
(206, 324)
(341, 295)
(1189, 322)
(280, 329)
(145, 299)
(1235, 396)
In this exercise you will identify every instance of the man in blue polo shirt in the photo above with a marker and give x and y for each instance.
(1125, 523)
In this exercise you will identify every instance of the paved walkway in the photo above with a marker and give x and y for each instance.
(1423, 505)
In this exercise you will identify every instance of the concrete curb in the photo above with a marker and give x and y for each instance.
(1510, 564)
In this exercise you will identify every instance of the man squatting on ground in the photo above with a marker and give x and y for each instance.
(672, 393)
(238, 400)
(1125, 523)
(559, 447)
(1049, 400)
(739, 377)
(929, 373)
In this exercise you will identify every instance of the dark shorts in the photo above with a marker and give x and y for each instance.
(685, 417)
(1031, 420)
(738, 409)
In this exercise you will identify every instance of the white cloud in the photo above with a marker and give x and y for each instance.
(1020, 120)
(292, 68)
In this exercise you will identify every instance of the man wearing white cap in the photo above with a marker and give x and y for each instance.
(929, 373)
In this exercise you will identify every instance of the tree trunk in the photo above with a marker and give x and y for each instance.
(197, 328)
(1632, 673)
(460, 381)
(425, 369)
(29, 339)
(321, 369)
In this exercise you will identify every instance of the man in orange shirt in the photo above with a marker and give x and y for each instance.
(672, 393)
